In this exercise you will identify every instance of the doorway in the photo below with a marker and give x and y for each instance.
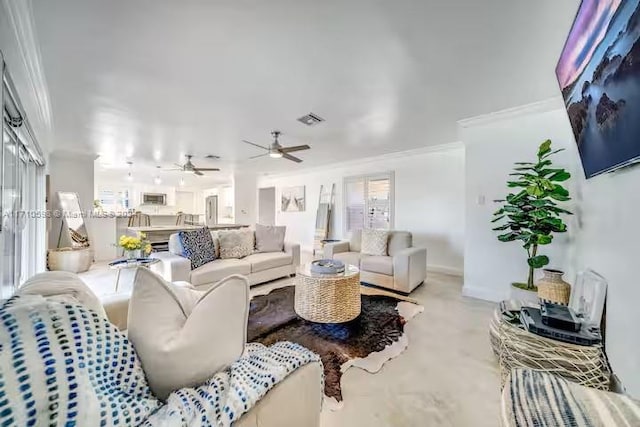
(267, 206)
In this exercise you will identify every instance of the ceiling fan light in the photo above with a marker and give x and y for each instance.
(275, 154)
(129, 177)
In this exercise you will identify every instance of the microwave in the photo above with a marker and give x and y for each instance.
(154, 199)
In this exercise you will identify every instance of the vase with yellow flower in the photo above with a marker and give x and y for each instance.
(135, 246)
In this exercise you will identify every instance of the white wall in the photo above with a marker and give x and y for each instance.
(429, 200)
(603, 234)
(24, 64)
(70, 172)
(493, 143)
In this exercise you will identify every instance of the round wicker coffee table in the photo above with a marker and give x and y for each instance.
(327, 298)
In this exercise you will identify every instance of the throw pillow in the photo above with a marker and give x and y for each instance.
(197, 245)
(184, 336)
(236, 243)
(65, 365)
(374, 242)
(270, 238)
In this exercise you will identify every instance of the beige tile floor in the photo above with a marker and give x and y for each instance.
(447, 377)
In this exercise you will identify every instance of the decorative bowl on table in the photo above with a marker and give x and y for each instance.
(327, 266)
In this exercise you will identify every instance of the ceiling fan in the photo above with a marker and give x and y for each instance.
(189, 167)
(276, 151)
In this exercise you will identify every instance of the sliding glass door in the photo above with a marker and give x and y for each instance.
(9, 196)
(22, 198)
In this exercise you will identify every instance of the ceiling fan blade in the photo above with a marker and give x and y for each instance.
(295, 148)
(256, 145)
(207, 169)
(259, 155)
(197, 172)
(292, 158)
(179, 165)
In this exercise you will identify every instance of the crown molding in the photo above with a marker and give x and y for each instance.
(544, 106)
(372, 159)
(20, 17)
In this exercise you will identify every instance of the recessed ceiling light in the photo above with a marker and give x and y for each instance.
(212, 157)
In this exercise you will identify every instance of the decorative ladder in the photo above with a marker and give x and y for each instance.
(323, 217)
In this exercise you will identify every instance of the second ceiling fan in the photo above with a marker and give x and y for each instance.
(276, 151)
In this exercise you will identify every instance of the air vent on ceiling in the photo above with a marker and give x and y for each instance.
(311, 119)
(212, 157)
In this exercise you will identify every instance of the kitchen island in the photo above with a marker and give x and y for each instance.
(106, 228)
(160, 233)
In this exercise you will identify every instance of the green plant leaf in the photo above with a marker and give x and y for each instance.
(511, 208)
(535, 191)
(543, 164)
(540, 214)
(544, 239)
(498, 218)
(502, 227)
(512, 184)
(539, 203)
(557, 210)
(560, 176)
(509, 237)
(551, 153)
(545, 148)
(538, 261)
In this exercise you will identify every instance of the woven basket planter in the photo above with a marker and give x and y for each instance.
(552, 288)
(327, 298)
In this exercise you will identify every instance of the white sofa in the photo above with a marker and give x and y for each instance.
(294, 402)
(402, 270)
(257, 268)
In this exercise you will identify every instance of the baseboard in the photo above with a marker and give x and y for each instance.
(482, 293)
(451, 271)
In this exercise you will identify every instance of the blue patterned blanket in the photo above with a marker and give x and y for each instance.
(63, 364)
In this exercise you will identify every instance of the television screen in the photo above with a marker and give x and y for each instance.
(599, 75)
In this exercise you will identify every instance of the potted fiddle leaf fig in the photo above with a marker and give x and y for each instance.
(532, 213)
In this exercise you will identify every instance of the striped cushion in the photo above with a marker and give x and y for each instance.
(534, 398)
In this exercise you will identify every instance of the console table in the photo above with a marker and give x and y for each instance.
(517, 348)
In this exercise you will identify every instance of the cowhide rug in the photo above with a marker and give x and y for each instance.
(367, 342)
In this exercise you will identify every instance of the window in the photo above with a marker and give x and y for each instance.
(114, 200)
(368, 202)
(22, 226)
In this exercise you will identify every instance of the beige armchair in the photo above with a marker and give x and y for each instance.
(403, 269)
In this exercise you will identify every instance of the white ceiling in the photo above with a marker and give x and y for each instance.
(151, 80)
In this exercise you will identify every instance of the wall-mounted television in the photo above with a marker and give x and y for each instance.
(599, 75)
